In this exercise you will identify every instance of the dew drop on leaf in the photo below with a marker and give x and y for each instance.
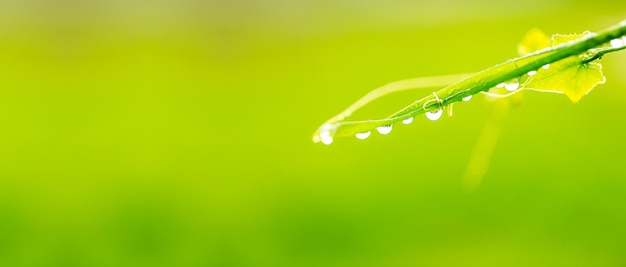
(546, 66)
(386, 129)
(500, 85)
(326, 138)
(617, 43)
(433, 116)
(512, 86)
(407, 120)
(532, 72)
(363, 135)
(467, 98)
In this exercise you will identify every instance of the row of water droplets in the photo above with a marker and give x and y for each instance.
(514, 84)
(386, 129)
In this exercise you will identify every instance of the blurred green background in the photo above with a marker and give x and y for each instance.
(178, 133)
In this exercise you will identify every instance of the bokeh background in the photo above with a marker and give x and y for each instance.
(178, 133)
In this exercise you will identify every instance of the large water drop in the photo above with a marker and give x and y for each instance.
(363, 135)
(326, 138)
(386, 129)
(512, 86)
(617, 43)
(433, 116)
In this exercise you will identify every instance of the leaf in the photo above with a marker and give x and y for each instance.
(558, 38)
(572, 76)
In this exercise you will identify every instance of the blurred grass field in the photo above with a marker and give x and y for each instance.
(178, 133)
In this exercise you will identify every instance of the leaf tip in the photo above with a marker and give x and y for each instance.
(574, 98)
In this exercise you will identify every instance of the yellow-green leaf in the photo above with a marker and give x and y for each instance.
(558, 38)
(572, 76)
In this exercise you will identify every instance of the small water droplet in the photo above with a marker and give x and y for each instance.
(363, 135)
(386, 129)
(467, 98)
(326, 138)
(407, 120)
(512, 86)
(617, 43)
(433, 116)
(546, 66)
(532, 72)
(500, 85)
(325, 135)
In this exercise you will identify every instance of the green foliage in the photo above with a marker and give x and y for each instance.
(573, 76)
(566, 64)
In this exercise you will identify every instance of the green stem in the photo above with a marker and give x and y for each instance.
(599, 53)
(512, 69)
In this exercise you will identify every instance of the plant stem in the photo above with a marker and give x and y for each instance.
(511, 69)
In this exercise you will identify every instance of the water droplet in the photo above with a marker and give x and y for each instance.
(467, 98)
(617, 43)
(325, 134)
(386, 129)
(546, 66)
(433, 116)
(363, 135)
(407, 120)
(500, 85)
(532, 72)
(326, 138)
(512, 86)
